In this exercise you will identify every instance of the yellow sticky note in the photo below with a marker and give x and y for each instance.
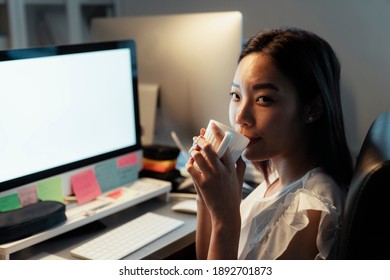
(50, 189)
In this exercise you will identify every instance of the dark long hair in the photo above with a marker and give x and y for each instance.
(310, 63)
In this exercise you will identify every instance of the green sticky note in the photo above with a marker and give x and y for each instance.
(50, 189)
(9, 202)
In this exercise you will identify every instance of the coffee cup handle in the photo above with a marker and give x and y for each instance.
(224, 144)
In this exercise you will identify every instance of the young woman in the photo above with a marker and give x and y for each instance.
(285, 98)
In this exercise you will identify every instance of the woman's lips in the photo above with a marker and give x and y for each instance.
(252, 140)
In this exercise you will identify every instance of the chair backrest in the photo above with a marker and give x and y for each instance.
(365, 233)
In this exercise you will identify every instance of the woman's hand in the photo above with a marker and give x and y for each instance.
(218, 181)
(218, 184)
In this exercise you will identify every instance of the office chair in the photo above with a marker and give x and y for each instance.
(365, 233)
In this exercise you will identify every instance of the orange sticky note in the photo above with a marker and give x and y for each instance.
(85, 186)
(115, 193)
(127, 160)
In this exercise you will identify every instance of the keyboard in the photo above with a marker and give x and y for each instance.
(127, 238)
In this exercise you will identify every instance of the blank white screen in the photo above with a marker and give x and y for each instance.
(60, 109)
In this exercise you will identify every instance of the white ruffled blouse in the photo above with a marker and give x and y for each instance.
(269, 223)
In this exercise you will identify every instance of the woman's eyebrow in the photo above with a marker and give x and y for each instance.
(265, 86)
(259, 86)
(235, 85)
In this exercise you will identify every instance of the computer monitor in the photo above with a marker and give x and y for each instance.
(191, 57)
(65, 108)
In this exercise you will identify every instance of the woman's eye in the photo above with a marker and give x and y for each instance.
(264, 99)
(235, 96)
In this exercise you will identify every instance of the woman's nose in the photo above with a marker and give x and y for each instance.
(244, 116)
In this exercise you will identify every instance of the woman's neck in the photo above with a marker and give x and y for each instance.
(290, 170)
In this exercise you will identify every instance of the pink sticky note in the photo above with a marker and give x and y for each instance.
(28, 195)
(127, 160)
(85, 186)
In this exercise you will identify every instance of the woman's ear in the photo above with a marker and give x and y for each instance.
(314, 109)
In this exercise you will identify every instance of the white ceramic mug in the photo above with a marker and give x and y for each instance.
(232, 140)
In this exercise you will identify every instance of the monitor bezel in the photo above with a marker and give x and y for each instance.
(47, 51)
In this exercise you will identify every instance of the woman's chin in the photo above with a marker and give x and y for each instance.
(248, 155)
(252, 154)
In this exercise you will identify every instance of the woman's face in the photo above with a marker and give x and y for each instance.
(264, 107)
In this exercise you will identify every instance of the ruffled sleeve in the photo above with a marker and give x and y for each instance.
(268, 240)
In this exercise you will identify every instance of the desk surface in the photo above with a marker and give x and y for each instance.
(59, 247)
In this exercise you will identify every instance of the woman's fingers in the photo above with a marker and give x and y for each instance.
(218, 133)
(240, 170)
